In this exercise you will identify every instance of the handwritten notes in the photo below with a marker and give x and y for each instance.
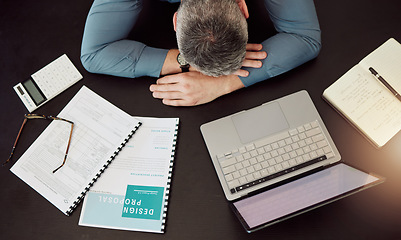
(367, 104)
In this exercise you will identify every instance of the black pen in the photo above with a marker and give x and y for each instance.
(385, 83)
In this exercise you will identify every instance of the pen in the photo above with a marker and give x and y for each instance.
(385, 83)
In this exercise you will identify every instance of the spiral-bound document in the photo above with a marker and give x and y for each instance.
(100, 131)
(133, 193)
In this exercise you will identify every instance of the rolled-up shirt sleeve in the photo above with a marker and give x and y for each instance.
(105, 48)
(297, 40)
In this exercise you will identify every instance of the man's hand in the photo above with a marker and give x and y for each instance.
(252, 58)
(193, 88)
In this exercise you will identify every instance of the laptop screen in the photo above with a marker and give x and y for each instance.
(302, 195)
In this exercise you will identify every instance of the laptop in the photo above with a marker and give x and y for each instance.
(268, 156)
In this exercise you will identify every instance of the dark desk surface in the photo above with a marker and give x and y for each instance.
(34, 33)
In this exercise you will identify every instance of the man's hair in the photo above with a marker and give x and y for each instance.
(212, 35)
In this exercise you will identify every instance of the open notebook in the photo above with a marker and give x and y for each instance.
(367, 96)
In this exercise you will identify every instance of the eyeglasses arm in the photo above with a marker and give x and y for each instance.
(15, 143)
(68, 147)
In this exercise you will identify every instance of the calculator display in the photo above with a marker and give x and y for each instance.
(34, 92)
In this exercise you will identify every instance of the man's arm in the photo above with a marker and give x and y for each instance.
(105, 48)
(297, 41)
(193, 88)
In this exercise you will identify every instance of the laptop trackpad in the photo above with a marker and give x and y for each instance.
(260, 122)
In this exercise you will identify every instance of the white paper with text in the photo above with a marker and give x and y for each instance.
(99, 130)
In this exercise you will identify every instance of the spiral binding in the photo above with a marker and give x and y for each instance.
(90, 184)
(170, 172)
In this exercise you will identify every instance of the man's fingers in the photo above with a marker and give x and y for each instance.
(253, 55)
(175, 102)
(168, 79)
(167, 83)
(252, 63)
(254, 47)
(241, 73)
(167, 95)
(163, 87)
(256, 55)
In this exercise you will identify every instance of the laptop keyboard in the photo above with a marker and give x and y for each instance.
(275, 156)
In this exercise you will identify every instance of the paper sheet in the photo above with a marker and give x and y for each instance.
(99, 129)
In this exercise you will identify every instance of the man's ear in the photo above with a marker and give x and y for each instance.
(244, 9)
(175, 21)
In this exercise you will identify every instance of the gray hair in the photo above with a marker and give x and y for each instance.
(212, 35)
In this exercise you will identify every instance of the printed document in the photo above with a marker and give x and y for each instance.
(132, 194)
(99, 130)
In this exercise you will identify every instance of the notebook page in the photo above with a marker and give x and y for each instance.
(386, 60)
(367, 104)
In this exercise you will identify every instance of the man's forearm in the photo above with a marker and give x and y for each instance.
(297, 40)
(170, 65)
(105, 48)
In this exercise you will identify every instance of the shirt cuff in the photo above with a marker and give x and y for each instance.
(151, 62)
(255, 76)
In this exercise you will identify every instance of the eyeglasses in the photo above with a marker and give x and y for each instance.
(36, 116)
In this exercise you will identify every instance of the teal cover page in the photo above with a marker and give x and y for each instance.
(143, 202)
(140, 209)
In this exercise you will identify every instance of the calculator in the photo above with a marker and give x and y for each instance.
(47, 83)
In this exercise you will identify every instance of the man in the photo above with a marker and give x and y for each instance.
(106, 50)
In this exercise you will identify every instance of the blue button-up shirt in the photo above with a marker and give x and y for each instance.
(106, 49)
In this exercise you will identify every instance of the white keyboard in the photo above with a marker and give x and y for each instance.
(269, 158)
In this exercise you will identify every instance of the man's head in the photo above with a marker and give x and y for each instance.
(212, 35)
